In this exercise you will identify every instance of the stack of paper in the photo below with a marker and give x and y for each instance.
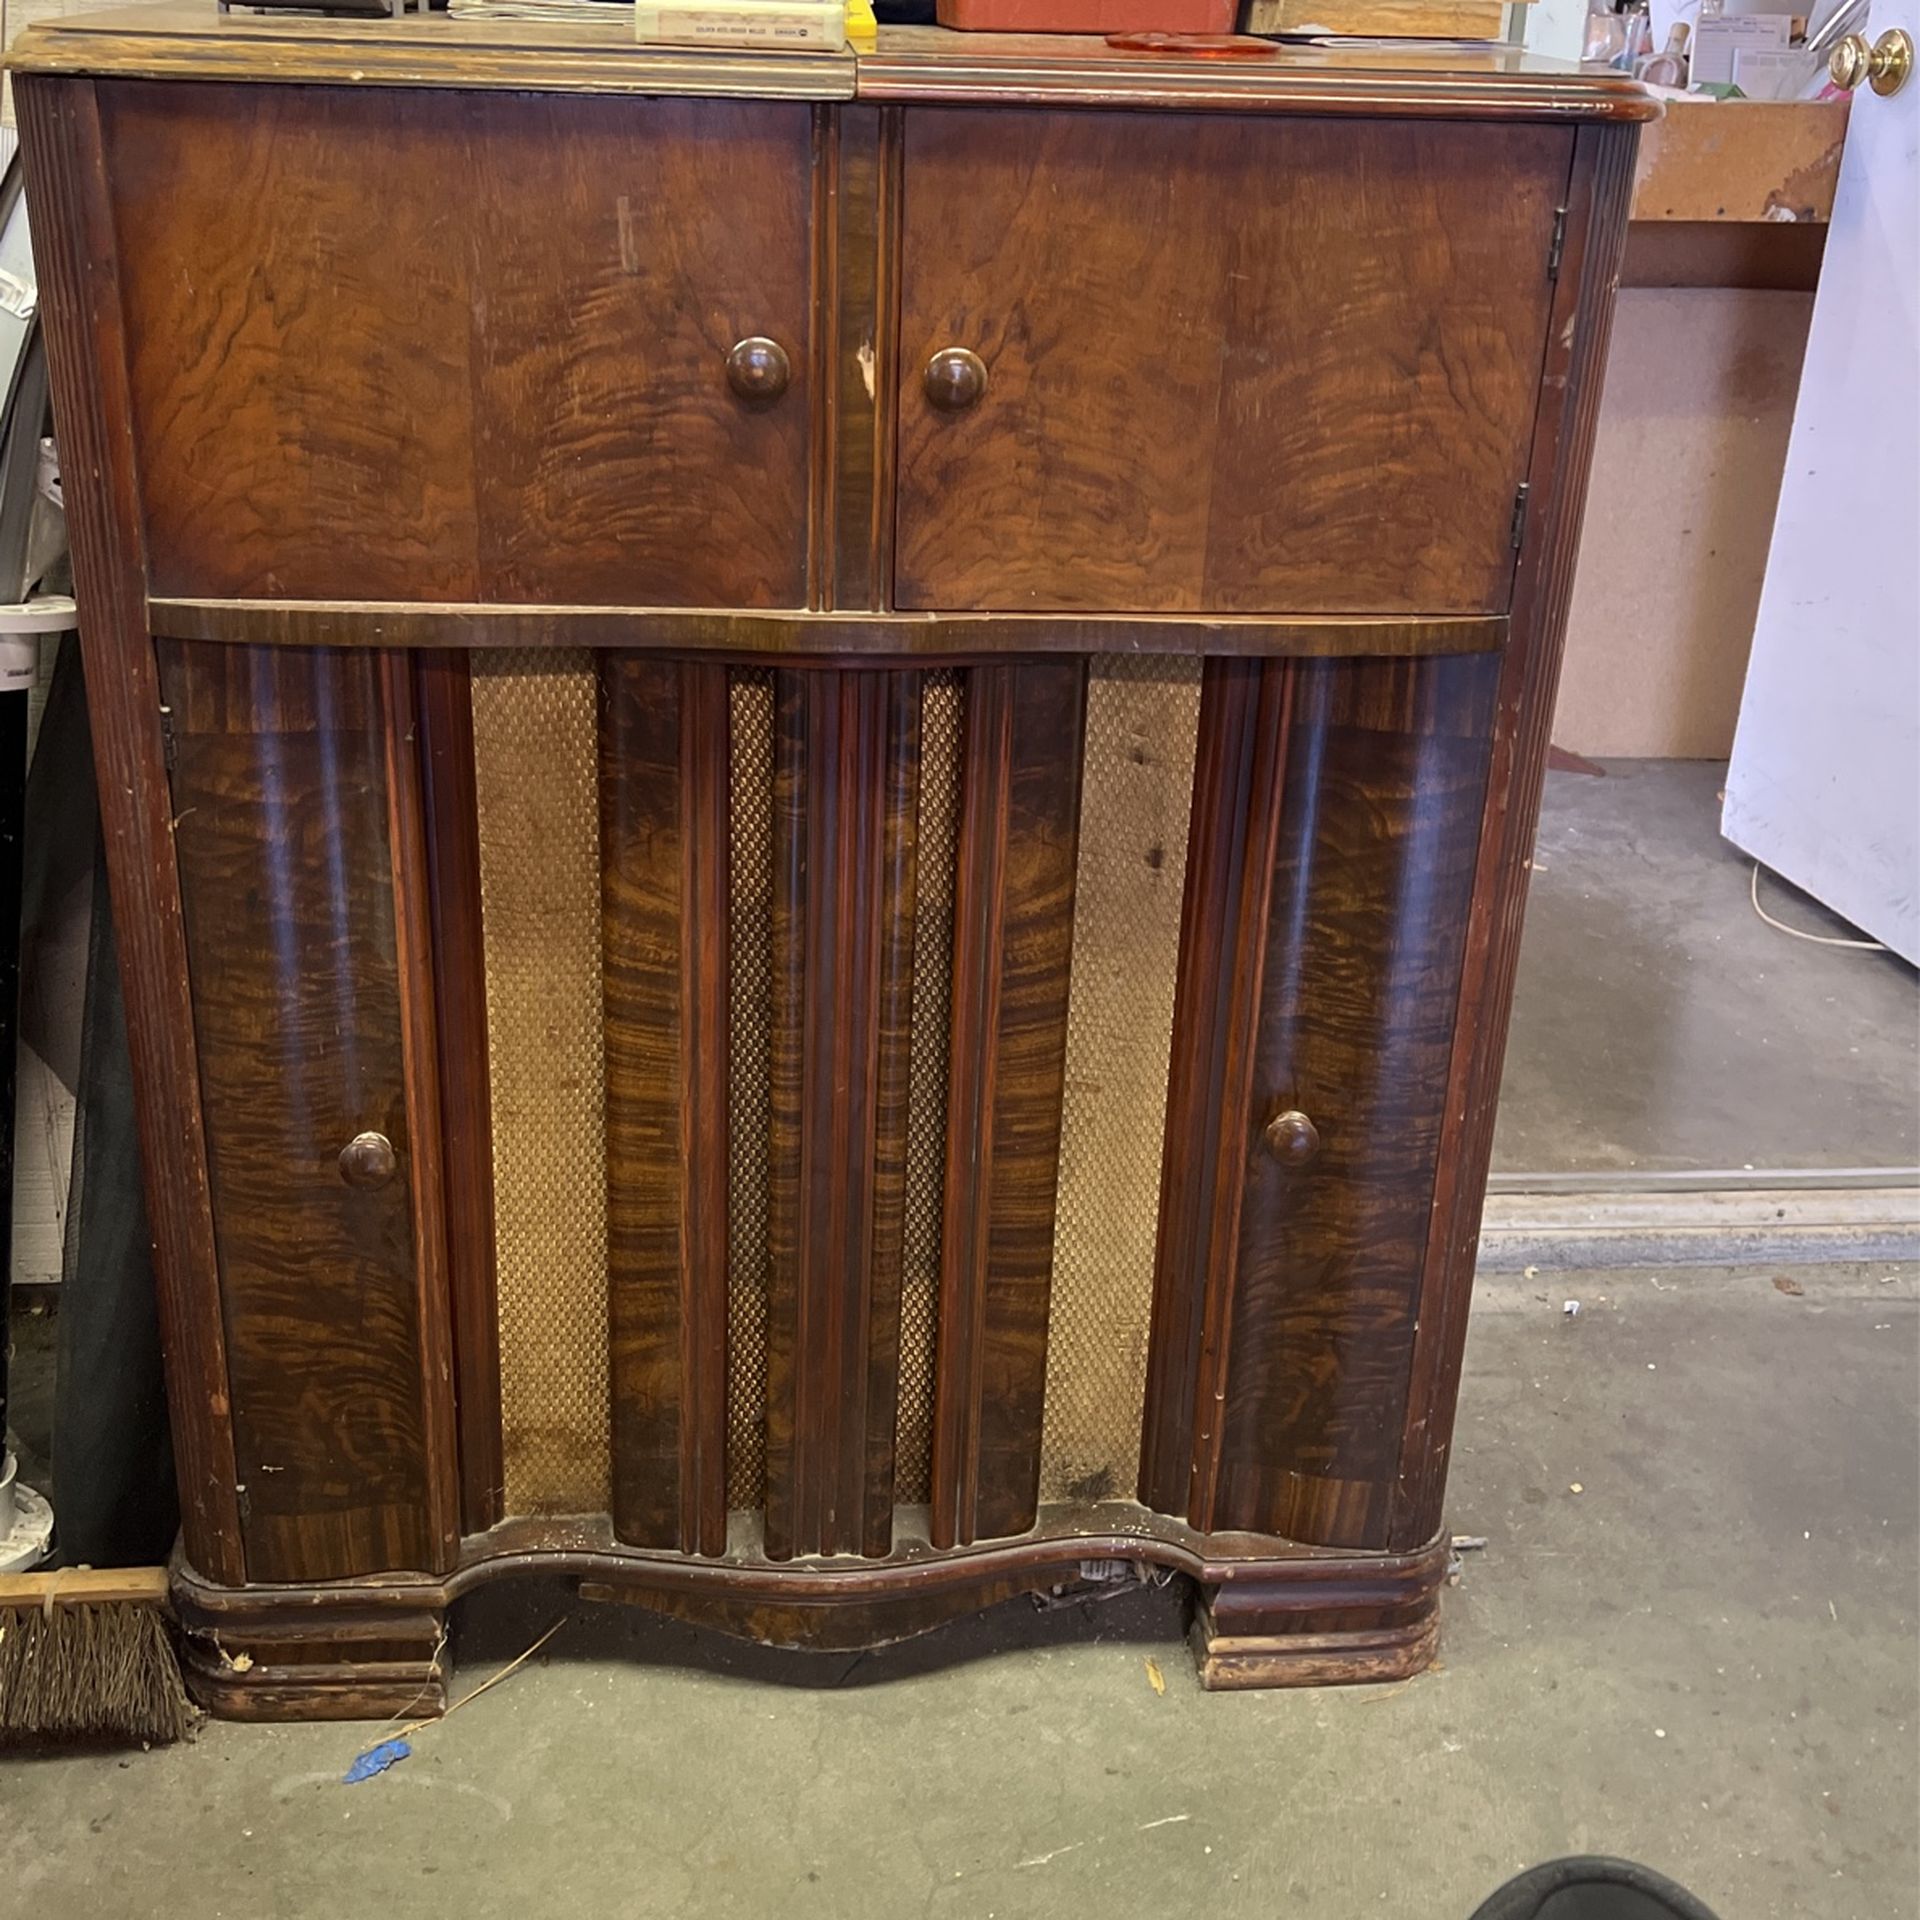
(597, 12)
(815, 25)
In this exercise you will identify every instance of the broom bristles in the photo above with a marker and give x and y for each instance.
(89, 1670)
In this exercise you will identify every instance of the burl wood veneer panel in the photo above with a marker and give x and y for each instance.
(281, 802)
(1015, 859)
(845, 791)
(474, 351)
(1321, 399)
(663, 845)
(1339, 808)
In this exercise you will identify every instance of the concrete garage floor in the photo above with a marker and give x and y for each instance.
(1705, 1659)
(1659, 1024)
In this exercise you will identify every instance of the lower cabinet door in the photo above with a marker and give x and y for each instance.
(298, 839)
(1337, 825)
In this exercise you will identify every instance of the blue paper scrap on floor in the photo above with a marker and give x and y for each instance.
(389, 1753)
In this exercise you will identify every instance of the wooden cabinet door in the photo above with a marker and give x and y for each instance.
(1232, 364)
(298, 839)
(1338, 807)
(477, 351)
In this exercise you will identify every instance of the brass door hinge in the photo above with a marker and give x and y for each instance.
(1519, 529)
(1559, 243)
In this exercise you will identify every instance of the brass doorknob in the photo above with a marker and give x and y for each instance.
(1291, 1138)
(367, 1160)
(956, 377)
(758, 368)
(1884, 65)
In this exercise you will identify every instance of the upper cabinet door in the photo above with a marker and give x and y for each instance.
(1219, 364)
(477, 352)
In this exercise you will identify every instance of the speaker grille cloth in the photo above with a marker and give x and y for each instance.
(535, 718)
(1143, 716)
(750, 1092)
(941, 712)
(536, 771)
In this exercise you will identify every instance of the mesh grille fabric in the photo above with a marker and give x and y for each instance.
(1143, 716)
(941, 714)
(536, 775)
(749, 1094)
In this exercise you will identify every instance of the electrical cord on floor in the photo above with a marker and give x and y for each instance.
(1818, 939)
(387, 1749)
(518, 1661)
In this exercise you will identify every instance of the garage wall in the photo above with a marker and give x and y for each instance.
(1691, 446)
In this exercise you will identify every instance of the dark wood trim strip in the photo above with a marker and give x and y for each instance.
(899, 874)
(803, 636)
(846, 777)
(642, 926)
(444, 701)
(865, 203)
(891, 197)
(823, 357)
(909, 64)
(1598, 203)
(663, 812)
(86, 351)
(974, 1030)
(705, 803)
(526, 56)
(1012, 951)
(1006, 70)
(1232, 1565)
(1246, 956)
(420, 1067)
(1240, 771)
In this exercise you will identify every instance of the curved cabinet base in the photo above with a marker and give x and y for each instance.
(1227, 1663)
(1228, 1657)
(1270, 1614)
(353, 1651)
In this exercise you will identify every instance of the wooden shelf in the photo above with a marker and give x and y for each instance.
(1741, 160)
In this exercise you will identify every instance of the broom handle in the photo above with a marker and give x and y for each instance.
(85, 1586)
(14, 696)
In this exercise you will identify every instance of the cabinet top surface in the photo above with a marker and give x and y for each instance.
(190, 39)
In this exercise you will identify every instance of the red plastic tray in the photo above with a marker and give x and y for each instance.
(1088, 16)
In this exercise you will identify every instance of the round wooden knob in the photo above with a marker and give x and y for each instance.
(956, 377)
(1292, 1138)
(758, 368)
(367, 1160)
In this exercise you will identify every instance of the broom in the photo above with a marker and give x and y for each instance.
(85, 1655)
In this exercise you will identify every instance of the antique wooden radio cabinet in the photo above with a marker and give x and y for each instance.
(819, 771)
